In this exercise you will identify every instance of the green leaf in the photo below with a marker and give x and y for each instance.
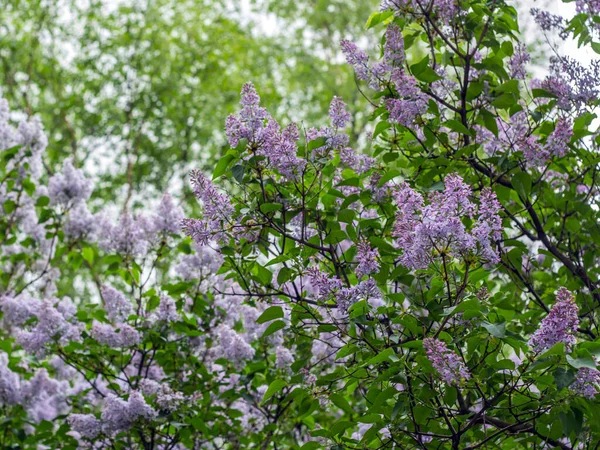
(269, 207)
(275, 387)
(455, 125)
(222, 165)
(341, 402)
(380, 128)
(271, 313)
(274, 327)
(88, 255)
(522, 184)
(495, 329)
(582, 361)
(563, 378)
(377, 18)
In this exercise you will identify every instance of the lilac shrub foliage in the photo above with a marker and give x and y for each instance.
(438, 289)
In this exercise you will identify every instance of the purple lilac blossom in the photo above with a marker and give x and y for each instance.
(424, 232)
(85, 424)
(168, 216)
(586, 382)
(115, 337)
(69, 187)
(448, 364)
(518, 62)
(233, 347)
(338, 114)
(560, 325)
(367, 260)
(117, 305)
(322, 282)
(217, 208)
(80, 223)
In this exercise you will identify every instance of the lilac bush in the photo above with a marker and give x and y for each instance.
(434, 287)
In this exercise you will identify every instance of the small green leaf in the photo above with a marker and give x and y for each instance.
(274, 327)
(275, 387)
(271, 313)
(88, 255)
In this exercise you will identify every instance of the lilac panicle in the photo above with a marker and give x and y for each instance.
(85, 424)
(69, 187)
(393, 51)
(560, 325)
(448, 364)
(586, 382)
(338, 114)
(357, 58)
(117, 305)
(425, 231)
(323, 283)
(367, 260)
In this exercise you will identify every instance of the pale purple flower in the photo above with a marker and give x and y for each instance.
(428, 231)
(69, 187)
(586, 382)
(168, 216)
(217, 208)
(127, 237)
(560, 325)
(548, 21)
(233, 347)
(283, 357)
(357, 58)
(367, 259)
(118, 307)
(322, 282)
(393, 50)
(10, 383)
(85, 424)
(338, 114)
(518, 62)
(448, 364)
(80, 222)
(558, 141)
(167, 310)
(120, 336)
(119, 415)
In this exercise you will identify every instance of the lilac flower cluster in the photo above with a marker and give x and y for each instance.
(411, 102)
(53, 321)
(28, 135)
(264, 135)
(586, 382)
(119, 336)
(448, 364)
(119, 415)
(69, 187)
(560, 325)
(549, 22)
(43, 397)
(517, 63)
(335, 141)
(217, 208)
(573, 84)
(365, 290)
(445, 11)
(117, 306)
(322, 282)
(338, 113)
(425, 232)
(367, 260)
(516, 135)
(233, 347)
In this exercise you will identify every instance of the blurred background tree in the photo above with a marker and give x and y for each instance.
(133, 91)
